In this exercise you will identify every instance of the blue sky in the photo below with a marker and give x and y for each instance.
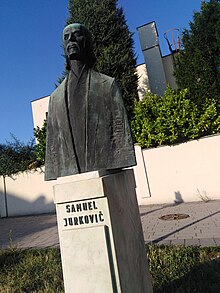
(31, 50)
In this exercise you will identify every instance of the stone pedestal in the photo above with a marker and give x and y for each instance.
(101, 239)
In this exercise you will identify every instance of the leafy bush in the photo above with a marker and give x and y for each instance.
(173, 118)
(40, 149)
(15, 156)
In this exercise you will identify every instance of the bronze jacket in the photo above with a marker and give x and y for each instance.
(107, 143)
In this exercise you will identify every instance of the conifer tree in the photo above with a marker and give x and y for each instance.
(198, 64)
(113, 43)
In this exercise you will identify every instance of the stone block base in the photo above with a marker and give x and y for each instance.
(101, 238)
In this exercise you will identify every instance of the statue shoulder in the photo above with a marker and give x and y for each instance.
(59, 91)
(100, 77)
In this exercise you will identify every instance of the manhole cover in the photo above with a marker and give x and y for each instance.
(172, 217)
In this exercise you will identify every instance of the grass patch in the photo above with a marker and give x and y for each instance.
(184, 268)
(35, 270)
(173, 269)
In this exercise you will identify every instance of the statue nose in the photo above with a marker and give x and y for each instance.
(72, 37)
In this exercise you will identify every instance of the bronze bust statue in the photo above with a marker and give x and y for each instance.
(87, 126)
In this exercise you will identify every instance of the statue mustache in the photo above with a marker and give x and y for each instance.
(73, 45)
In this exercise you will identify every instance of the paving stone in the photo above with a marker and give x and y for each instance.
(164, 242)
(217, 241)
(207, 242)
(192, 242)
(178, 241)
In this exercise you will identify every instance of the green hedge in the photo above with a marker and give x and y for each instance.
(16, 156)
(173, 118)
(40, 148)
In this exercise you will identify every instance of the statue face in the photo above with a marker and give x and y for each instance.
(74, 43)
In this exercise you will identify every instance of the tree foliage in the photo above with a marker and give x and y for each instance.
(40, 148)
(113, 43)
(194, 111)
(197, 66)
(15, 156)
(173, 118)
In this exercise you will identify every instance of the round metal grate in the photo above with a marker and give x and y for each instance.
(172, 217)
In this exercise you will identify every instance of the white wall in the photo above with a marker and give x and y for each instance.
(39, 110)
(143, 82)
(27, 193)
(185, 172)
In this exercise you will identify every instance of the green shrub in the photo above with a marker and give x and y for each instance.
(40, 148)
(15, 156)
(172, 119)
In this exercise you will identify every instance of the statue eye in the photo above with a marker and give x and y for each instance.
(77, 34)
(66, 36)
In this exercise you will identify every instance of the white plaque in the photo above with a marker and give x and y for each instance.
(83, 214)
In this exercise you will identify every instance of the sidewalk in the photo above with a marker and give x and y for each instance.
(202, 227)
(29, 231)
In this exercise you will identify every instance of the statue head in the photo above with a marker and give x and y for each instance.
(77, 43)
